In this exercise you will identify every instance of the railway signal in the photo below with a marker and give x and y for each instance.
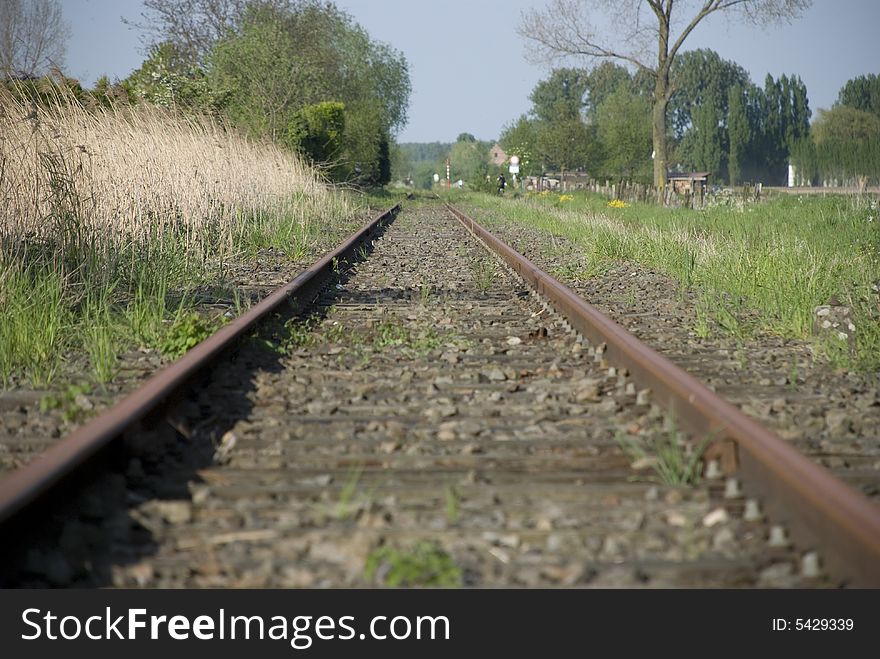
(514, 168)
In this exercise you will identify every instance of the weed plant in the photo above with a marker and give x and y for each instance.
(423, 564)
(675, 460)
(483, 274)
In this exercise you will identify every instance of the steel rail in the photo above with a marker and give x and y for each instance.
(35, 479)
(819, 509)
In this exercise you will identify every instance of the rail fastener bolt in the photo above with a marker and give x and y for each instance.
(732, 489)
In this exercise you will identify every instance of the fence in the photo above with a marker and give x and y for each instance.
(697, 198)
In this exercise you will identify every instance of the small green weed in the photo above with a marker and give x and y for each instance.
(702, 326)
(452, 509)
(423, 564)
(346, 505)
(187, 331)
(351, 499)
(334, 333)
(101, 347)
(69, 401)
(483, 274)
(300, 333)
(390, 334)
(675, 460)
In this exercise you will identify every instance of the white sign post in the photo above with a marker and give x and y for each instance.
(514, 168)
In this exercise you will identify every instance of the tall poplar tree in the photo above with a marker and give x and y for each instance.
(739, 134)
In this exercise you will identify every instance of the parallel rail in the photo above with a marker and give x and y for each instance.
(819, 509)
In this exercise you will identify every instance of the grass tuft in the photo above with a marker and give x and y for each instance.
(423, 564)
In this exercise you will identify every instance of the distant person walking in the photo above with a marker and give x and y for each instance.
(502, 183)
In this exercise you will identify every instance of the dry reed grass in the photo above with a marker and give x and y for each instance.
(133, 172)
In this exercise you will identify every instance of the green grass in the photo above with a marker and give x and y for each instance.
(67, 401)
(422, 564)
(781, 258)
(99, 295)
(186, 332)
(675, 460)
(390, 334)
(483, 274)
(34, 324)
(453, 511)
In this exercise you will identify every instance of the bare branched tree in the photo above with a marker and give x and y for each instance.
(647, 34)
(33, 37)
(193, 26)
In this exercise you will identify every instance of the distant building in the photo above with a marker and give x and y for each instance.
(692, 182)
(497, 155)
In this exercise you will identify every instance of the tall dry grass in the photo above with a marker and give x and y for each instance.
(107, 211)
(129, 172)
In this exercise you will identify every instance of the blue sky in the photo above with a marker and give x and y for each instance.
(468, 67)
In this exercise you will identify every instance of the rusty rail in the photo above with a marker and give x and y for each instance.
(818, 508)
(37, 478)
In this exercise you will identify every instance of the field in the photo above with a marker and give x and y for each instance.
(111, 220)
(756, 268)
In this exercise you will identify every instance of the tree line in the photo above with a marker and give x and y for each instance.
(300, 73)
(720, 122)
(416, 163)
(844, 143)
(599, 121)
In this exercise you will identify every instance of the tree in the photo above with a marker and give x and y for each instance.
(603, 81)
(318, 131)
(166, 78)
(698, 108)
(521, 139)
(707, 147)
(564, 29)
(785, 120)
(33, 37)
(624, 125)
(844, 148)
(567, 144)
(468, 160)
(561, 96)
(862, 93)
(845, 124)
(263, 75)
(739, 134)
(194, 26)
(701, 77)
(276, 62)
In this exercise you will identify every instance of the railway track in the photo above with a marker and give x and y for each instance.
(419, 414)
